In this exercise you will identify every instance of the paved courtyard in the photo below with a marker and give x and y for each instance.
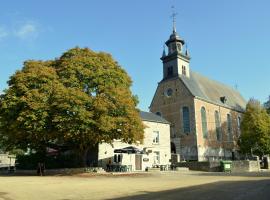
(167, 185)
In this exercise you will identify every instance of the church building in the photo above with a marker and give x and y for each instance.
(205, 115)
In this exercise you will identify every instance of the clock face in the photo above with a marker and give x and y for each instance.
(169, 92)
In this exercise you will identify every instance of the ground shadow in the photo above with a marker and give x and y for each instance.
(234, 174)
(232, 190)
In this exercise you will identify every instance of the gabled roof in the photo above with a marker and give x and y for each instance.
(212, 91)
(151, 117)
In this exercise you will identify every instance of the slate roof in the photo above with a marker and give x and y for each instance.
(151, 117)
(211, 91)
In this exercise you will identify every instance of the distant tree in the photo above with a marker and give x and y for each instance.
(267, 105)
(255, 129)
(83, 98)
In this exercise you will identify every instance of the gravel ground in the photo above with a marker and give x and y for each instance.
(163, 185)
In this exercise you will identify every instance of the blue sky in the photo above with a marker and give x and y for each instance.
(228, 40)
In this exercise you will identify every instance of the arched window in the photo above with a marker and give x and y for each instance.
(170, 71)
(239, 125)
(229, 127)
(218, 128)
(204, 122)
(186, 120)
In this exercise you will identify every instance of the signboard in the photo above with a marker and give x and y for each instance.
(227, 166)
(145, 159)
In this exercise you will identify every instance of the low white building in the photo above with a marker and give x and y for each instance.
(7, 160)
(154, 151)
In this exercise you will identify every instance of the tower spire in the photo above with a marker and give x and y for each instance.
(173, 16)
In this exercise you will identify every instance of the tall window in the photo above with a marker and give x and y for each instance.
(229, 127)
(239, 125)
(117, 158)
(186, 120)
(183, 70)
(170, 71)
(218, 128)
(155, 137)
(156, 157)
(204, 122)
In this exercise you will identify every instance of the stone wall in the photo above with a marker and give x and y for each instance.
(214, 166)
(201, 166)
(211, 142)
(170, 108)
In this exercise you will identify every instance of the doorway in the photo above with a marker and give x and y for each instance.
(138, 162)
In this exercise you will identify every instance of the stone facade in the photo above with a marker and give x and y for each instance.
(212, 148)
(171, 109)
(185, 94)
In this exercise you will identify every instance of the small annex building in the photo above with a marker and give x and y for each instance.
(153, 152)
(205, 115)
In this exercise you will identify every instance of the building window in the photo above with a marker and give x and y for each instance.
(156, 157)
(229, 127)
(239, 125)
(218, 128)
(117, 158)
(186, 120)
(155, 137)
(169, 92)
(183, 70)
(170, 71)
(179, 47)
(204, 122)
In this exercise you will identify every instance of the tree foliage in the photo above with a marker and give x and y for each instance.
(82, 98)
(267, 105)
(255, 129)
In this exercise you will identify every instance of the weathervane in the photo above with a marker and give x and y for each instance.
(173, 16)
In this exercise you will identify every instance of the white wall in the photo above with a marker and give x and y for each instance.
(7, 160)
(106, 151)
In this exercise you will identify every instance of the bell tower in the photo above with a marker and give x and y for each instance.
(176, 62)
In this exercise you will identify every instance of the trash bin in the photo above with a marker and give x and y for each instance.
(226, 165)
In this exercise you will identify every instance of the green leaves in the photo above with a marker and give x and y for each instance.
(82, 98)
(255, 129)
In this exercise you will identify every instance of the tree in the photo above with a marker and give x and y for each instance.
(83, 98)
(255, 129)
(267, 105)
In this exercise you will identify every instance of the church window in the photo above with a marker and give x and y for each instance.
(186, 120)
(239, 125)
(173, 47)
(169, 92)
(170, 71)
(204, 122)
(183, 70)
(229, 127)
(218, 128)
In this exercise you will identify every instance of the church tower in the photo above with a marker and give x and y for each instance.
(176, 62)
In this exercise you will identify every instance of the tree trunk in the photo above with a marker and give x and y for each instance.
(84, 156)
